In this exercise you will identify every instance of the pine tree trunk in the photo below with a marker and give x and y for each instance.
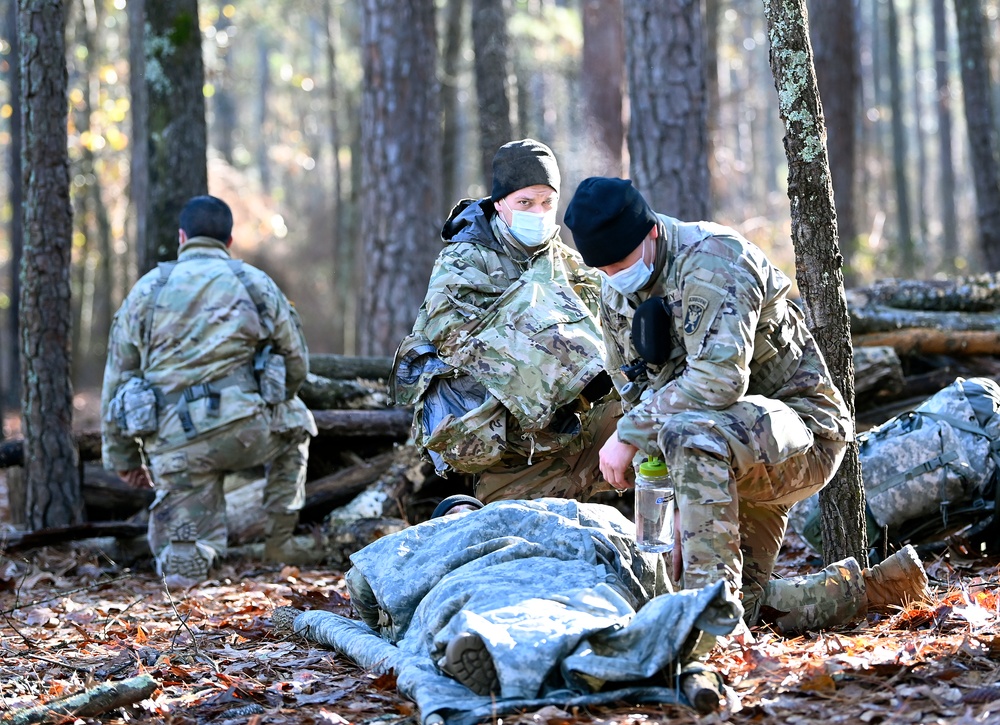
(175, 80)
(818, 262)
(52, 479)
(401, 167)
(491, 41)
(602, 78)
(946, 164)
(981, 122)
(667, 139)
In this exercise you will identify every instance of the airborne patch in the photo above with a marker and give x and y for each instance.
(695, 310)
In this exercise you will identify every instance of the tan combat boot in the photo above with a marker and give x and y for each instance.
(280, 546)
(897, 581)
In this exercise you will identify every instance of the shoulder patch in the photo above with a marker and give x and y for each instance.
(693, 313)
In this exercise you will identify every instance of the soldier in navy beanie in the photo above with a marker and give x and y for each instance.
(608, 218)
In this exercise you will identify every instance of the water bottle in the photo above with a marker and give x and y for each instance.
(654, 507)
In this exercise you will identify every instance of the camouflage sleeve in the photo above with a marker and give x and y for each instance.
(459, 291)
(721, 303)
(120, 452)
(288, 338)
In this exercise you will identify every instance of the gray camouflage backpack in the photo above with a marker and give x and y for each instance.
(928, 468)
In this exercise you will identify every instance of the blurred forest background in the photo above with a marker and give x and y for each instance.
(285, 93)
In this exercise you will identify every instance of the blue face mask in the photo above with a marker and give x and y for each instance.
(634, 278)
(532, 229)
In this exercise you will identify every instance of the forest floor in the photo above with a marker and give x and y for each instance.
(72, 619)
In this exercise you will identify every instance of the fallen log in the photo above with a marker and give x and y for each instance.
(877, 370)
(391, 423)
(346, 367)
(978, 293)
(96, 701)
(869, 318)
(88, 443)
(62, 534)
(319, 393)
(916, 341)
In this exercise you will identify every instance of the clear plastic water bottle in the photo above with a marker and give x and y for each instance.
(654, 507)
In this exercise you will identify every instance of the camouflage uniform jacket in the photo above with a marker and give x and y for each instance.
(204, 327)
(522, 322)
(733, 332)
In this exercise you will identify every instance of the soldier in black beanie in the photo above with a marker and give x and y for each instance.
(504, 366)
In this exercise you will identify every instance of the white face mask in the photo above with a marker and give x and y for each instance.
(532, 229)
(634, 278)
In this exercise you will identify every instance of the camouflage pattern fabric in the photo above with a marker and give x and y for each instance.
(205, 327)
(832, 596)
(571, 473)
(523, 323)
(744, 410)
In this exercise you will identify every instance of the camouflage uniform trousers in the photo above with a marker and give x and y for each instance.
(566, 474)
(736, 474)
(188, 516)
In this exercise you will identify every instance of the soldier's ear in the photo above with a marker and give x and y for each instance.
(181, 237)
(229, 241)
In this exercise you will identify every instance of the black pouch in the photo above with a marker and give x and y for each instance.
(651, 331)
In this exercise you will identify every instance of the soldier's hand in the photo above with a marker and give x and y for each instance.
(136, 478)
(616, 462)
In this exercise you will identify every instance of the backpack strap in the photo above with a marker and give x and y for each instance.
(165, 269)
(236, 265)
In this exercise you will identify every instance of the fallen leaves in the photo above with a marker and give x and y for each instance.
(218, 660)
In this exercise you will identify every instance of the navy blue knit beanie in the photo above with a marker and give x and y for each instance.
(608, 218)
(524, 163)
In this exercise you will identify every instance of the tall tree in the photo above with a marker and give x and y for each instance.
(602, 76)
(838, 73)
(980, 120)
(139, 148)
(401, 166)
(451, 53)
(946, 163)
(904, 229)
(667, 138)
(52, 479)
(175, 81)
(490, 40)
(16, 196)
(818, 262)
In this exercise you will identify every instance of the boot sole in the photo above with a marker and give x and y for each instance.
(469, 662)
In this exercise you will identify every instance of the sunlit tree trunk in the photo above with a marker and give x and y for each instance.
(818, 263)
(838, 74)
(261, 117)
(490, 40)
(904, 230)
(603, 82)
(223, 104)
(175, 81)
(401, 166)
(946, 164)
(52, 479)
(667, 139)
(980, 120)
(713, 103)
(925, 262)
(139, 148)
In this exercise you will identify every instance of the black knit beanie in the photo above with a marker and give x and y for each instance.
(608, 218)
(523, 163)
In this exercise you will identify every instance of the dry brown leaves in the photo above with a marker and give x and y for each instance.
(70, 621)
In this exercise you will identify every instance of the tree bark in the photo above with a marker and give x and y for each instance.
(401, 166)
(393, 423)
(12, 385)
(838, 75)
(933, 342)
(667, 139)
(52, 482)
(347, 367)
(602, 77)
(818, 262)
(946, 164)
(138, 178)
(175, 81)
(980, 121)
(95, 701)
(490, 40)
(904, 232)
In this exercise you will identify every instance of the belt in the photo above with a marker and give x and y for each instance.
(212, 390)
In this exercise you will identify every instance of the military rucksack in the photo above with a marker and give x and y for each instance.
(927, 470)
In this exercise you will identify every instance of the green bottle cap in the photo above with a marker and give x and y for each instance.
(653, 468)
